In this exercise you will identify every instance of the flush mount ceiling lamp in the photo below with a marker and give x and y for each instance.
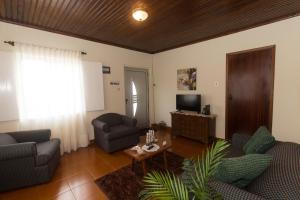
(139, 15)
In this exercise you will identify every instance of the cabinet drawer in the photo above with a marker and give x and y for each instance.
(193, 126)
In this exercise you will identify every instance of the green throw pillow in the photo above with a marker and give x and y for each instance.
(240, 171)
(260, 142)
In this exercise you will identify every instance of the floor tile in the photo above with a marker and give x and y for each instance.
(79, 179)
(53, 189)
(30, 193)
(67, 171)
(64, 196)
(99, 169)
(86, 191)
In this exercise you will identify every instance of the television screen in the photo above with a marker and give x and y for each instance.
(190, 102)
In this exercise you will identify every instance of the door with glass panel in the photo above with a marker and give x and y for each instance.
(136, 95)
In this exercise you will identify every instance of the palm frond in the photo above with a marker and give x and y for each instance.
(163, 186)
(206, 167)
(194, 180)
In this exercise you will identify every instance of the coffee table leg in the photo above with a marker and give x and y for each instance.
(144, 167)
(165, 160)
(133, 164)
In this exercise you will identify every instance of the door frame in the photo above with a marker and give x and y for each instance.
(273, 48)
(145, 70)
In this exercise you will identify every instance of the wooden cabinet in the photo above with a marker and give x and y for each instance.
(194, 126)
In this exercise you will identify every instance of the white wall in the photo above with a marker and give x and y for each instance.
(112, 56)
(210, 59)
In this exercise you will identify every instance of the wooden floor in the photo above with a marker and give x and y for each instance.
(74, 178)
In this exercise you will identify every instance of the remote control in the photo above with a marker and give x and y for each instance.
(150, 147)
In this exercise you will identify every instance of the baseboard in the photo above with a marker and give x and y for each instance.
(92, 142)
(169, 128)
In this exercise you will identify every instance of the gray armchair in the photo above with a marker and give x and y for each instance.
(114, 131)
(27, 158)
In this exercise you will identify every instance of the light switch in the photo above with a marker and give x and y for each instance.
(216, 83)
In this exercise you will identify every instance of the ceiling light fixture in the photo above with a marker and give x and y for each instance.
(139, 15)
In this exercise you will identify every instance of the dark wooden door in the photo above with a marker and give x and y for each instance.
(249, 95)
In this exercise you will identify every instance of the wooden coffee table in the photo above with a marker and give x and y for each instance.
(161, 136)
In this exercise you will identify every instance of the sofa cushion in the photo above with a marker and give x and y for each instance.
(101, 125)
(282, 179)
(111, 119)
(121, 131)
(6, 139)
(234, 152)
(46, 150)
(260, 142)
(240, 171)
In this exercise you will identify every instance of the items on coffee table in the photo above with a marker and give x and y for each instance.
(150, 137)
(163, 141)
(138, 149)
(150, 145)
(150, 148)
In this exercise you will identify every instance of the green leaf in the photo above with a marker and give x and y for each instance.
(197, 172)
(163, 186)
(194, 180)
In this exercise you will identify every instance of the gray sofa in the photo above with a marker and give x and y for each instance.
(114, 131)
(280, 181)
(27, 158)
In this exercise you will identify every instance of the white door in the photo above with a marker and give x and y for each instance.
(136, 95)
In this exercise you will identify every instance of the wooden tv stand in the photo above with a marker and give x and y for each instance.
(194, 126)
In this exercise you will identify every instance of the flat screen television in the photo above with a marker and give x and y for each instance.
(189, 102)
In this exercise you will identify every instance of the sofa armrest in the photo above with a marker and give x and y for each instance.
(129, 121)
(31, 136)
(239, 140)
(19, 150)
(100, 125)
(230, 192)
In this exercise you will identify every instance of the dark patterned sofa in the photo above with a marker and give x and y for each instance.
(27, 158)
(281, 181)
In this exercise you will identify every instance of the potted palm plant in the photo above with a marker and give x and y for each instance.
(192, 184)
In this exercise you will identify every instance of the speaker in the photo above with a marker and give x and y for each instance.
(206, 110)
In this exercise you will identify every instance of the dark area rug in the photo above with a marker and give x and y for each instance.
(126, 184)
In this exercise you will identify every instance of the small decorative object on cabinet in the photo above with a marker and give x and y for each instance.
(206, 110)
(194, 126)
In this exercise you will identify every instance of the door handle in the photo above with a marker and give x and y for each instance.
(230, 97)
(126, 100)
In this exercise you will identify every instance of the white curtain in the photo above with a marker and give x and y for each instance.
(50, 93)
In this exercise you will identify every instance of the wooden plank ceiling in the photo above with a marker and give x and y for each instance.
(171, 23)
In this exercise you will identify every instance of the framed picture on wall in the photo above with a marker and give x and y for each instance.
(187, 79)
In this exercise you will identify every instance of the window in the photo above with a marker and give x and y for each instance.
(49, 82)
(134, 99)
